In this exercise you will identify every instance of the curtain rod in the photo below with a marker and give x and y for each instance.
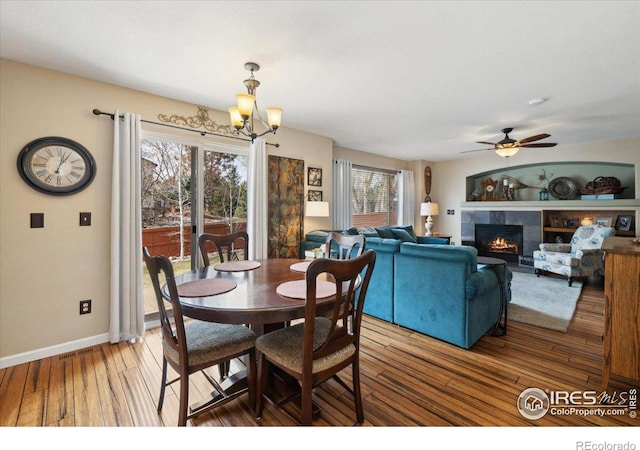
(97, 112)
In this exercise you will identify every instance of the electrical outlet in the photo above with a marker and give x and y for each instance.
(451, 212)
(85, 307)
(85, 219)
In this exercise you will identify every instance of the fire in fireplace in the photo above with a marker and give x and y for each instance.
(500, 241)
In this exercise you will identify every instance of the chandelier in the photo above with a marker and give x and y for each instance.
(242, 116)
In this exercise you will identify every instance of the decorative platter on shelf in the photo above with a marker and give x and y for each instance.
(563, 188)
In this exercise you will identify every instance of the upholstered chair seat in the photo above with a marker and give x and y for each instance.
(208, 340)
(284, 347)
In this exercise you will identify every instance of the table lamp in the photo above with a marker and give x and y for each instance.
(317, 209)
(429, 209)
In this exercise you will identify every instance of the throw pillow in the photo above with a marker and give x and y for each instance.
(367, 231)
(408, 229)
(385, 233)
(403, 235)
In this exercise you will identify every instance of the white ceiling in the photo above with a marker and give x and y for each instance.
(413, 80)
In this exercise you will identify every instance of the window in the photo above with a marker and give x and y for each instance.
(374, 200)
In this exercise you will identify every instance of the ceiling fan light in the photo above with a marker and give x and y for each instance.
(245, 105)
(274, 117)
(506, 152)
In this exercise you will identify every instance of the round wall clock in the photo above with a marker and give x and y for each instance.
(56, 165)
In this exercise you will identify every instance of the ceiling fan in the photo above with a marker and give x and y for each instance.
(509, 147)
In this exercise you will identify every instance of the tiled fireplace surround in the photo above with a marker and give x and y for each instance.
(531, 222)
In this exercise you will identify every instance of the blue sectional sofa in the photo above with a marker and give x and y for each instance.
(438, 290)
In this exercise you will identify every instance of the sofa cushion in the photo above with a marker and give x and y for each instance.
(385, 232)
(403, 235)
(383, 245)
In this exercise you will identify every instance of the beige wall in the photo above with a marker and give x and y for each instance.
(45, 272)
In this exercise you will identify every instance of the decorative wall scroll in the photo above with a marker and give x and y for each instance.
(201, 120)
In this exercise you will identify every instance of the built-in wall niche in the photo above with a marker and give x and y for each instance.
(536, 176)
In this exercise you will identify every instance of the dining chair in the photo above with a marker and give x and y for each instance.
(223, 244)
(317, 349)
(348, 246)
(193, 345)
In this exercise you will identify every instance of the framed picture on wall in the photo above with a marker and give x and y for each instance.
(555, 221)
(315, 196)
(623, 223)
(314, 176)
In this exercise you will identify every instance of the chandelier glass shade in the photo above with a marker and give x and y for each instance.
(242, 116)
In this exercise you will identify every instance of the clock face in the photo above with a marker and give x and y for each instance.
(57, 166)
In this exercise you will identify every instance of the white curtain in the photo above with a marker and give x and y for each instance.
(127, 301)
(342, 194)
(407, 197)
(257, 219)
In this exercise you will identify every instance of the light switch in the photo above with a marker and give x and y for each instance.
(85, 219)
(37, 220)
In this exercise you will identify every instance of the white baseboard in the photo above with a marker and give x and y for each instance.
(53, 350)
(60, 349)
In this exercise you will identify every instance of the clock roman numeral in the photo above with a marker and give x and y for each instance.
(75, 175)
(42, 172)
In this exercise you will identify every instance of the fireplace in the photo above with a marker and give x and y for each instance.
(499, 241)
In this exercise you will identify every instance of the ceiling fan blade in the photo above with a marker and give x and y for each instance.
(488, 143)
(537, 137)
(547, 144)
(479, 150)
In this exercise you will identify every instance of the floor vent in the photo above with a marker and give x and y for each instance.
(84, 351)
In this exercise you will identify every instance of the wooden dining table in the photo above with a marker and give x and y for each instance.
(255, 302)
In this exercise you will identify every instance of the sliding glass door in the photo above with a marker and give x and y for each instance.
(188, 187)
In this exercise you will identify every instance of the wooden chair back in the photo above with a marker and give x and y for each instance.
(224, 244)
(346, 312)
(172, 325)
(349, 246)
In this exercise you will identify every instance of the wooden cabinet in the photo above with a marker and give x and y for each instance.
(560, 224)
(622, 309)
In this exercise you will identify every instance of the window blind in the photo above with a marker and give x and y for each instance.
(374, 197)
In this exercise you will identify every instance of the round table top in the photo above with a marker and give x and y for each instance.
(253, 301)
(490, 261)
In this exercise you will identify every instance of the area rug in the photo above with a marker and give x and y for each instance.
(543, 301)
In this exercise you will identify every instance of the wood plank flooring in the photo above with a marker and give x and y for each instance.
(408, 379)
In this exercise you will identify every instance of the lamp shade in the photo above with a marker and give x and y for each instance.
(274, 117)
(245, 104)
(317, 209)
(429, 209)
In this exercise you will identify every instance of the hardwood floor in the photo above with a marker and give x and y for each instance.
(408, 379)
